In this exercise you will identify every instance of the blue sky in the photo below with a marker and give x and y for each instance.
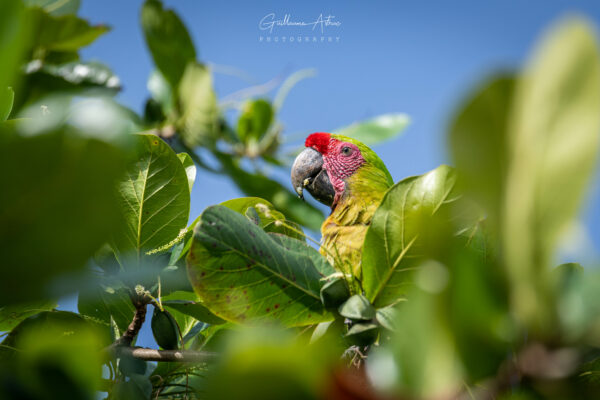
(419, 58)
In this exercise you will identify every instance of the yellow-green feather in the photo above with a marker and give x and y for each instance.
(343, 232)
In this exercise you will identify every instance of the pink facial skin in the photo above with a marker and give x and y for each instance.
(340, 160)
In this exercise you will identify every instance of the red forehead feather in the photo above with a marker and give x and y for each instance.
(319, 141)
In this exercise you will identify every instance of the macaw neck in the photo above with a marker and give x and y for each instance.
(362, 195)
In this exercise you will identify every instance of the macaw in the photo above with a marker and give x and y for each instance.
(346, 175)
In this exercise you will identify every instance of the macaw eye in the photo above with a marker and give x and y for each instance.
(346, 150)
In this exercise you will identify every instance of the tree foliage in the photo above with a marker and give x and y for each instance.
(460, 293)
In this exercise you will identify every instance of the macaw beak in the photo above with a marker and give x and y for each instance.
(308, 173)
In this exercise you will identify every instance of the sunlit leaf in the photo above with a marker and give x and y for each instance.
(55, 7)
(190, 168)
(154, 196)
(402, 231)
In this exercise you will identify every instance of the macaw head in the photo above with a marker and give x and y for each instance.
(331, 164)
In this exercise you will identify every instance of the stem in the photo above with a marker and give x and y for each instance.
(145, 354)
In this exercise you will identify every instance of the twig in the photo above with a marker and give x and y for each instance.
(145, 354)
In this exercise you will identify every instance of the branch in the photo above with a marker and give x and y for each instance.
(145, 354)
(136, 324)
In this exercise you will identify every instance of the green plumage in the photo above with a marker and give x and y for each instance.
(343, 232)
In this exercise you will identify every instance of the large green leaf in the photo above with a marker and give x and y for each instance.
(404, 229)
(168, 40)
(10, 316)
(63, 33)
(154, 196)
(55, 7)
(376, 130)
(198, 101)
(242, 273)
(554, 138)
(253, 184)
(56, 209)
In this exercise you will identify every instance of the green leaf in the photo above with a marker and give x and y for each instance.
(74, 76)
(7, 98)
(388, 317)
(479, 143)
(10, 316)
(155, 198)
(104, 300)
(357, 307)
(193, 308)
(199, 111)
(242, 273)
(363, 334)
(402, 231)
(376, 130)
(165, 330)
(138, 387)
(55, 7)
(334, 293)
(264, 210)
(161, 92)
(254, 184)
(255, 120)
(168, 41)
(59, 356)
(554, 136)
(63, 33)
(61, 201)
(190, 168)
(14, 39)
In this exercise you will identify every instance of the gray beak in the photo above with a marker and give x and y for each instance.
(308, 173)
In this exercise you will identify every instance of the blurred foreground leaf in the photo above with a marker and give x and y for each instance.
(52, 355)
(61, 33)
(555, 133)
(199, 112)
(55, 7)
(6, 103)
(168, 40)
(60, 201)
(376, 130)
